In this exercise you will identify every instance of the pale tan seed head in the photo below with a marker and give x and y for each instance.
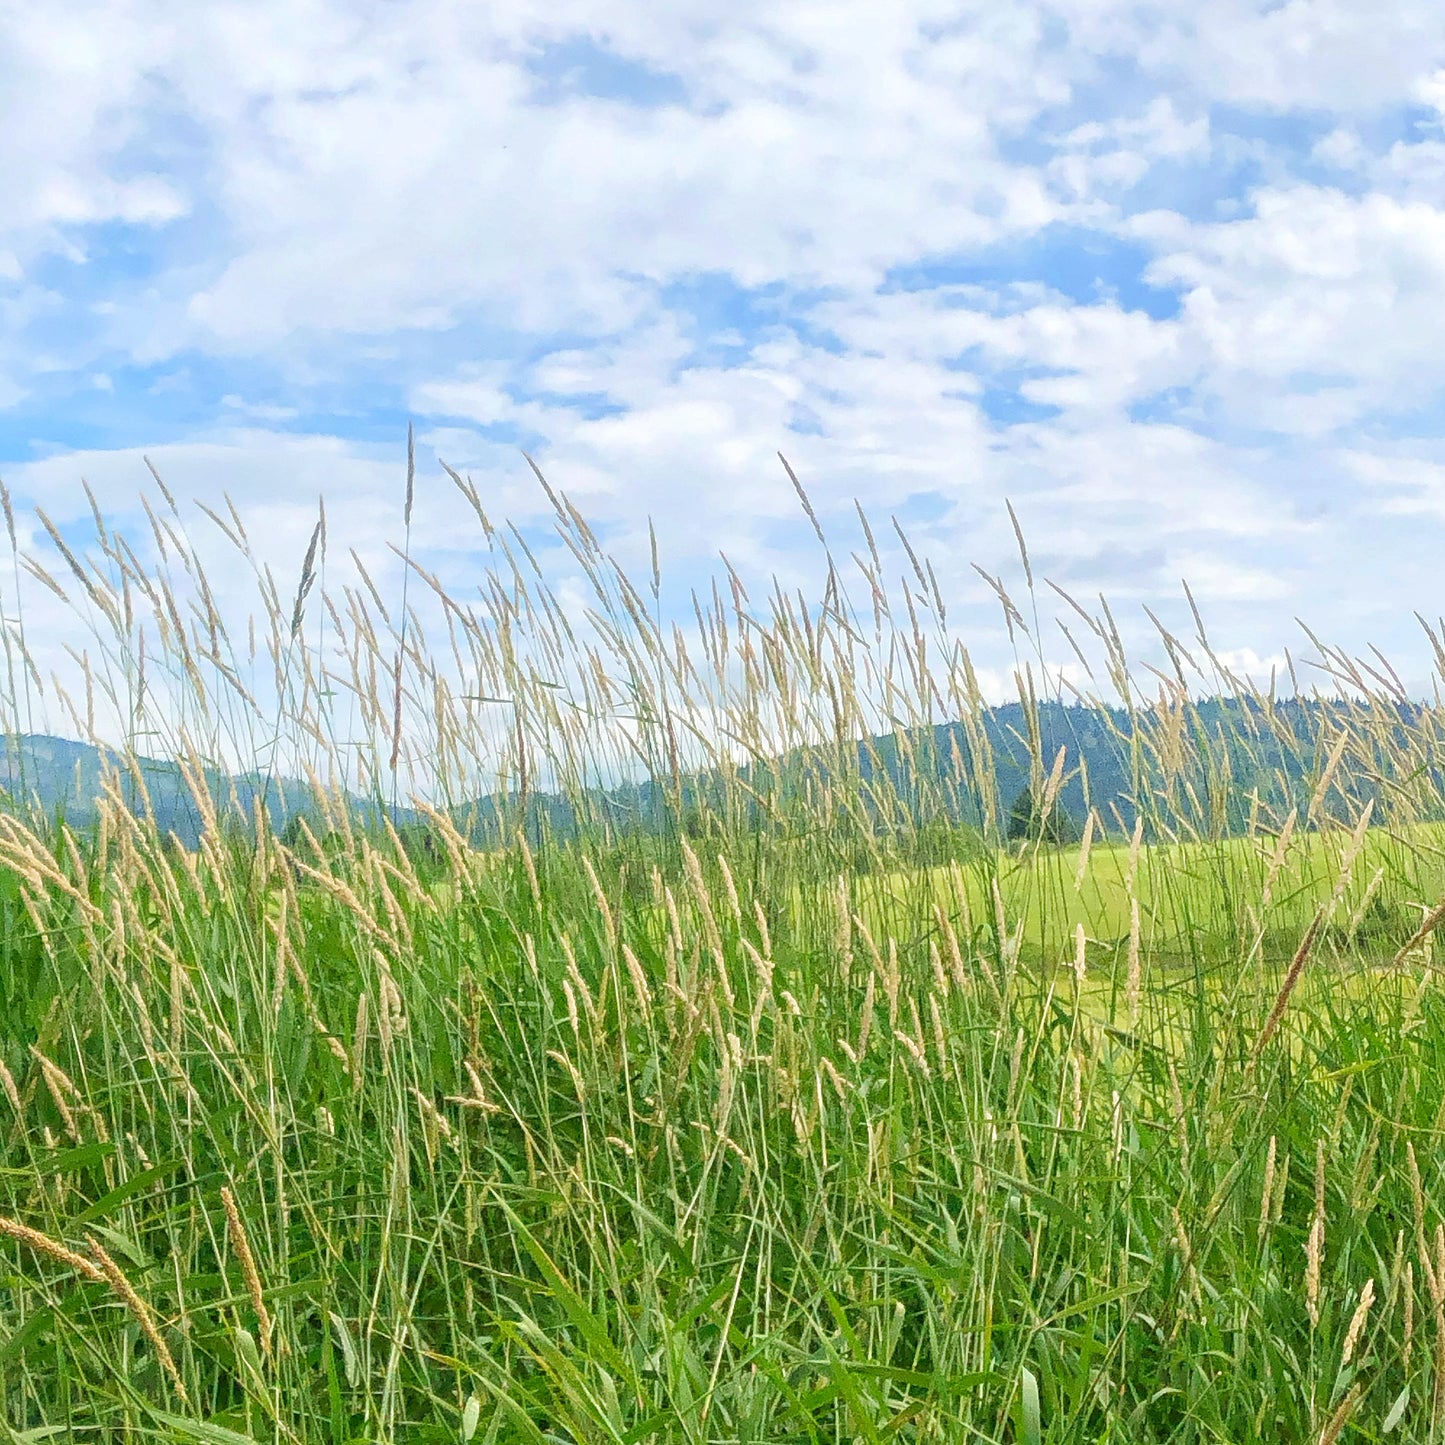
(241, 1243)
(140, 1312)
(1266, 1193)
(1315, 1244)
(1357, 1323)
(51, 1248)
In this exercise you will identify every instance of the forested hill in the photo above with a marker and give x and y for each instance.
(1198, 769)
(63, 779)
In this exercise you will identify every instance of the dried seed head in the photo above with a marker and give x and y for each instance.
(7, 1082)
(1134, 843)
(843, 935)
(641, 989)
(940, 1037)
(1135, 978)
(941, 985)
(604, 907)
(1340, 1418)
(915, 1050)
(51, 1248)
(252, 1276)
(1266, 1193)
(840, 1085)
(1315, 1244)
(358, 1039)
(866, 1026)
(1409, 1325)
(1357, 1322)
(140, 1311)
(732, 889)
(1083, 870)
(62, 1092)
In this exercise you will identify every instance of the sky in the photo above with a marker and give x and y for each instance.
(1168, 278)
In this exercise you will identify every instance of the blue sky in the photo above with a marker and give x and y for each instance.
(1169, 278)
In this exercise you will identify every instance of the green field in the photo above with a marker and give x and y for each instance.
(626, 1138)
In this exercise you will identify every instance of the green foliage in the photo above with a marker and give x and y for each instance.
(937, 843)
(298, 826)
(1029, 822)
(611, 1215)
(424, 849)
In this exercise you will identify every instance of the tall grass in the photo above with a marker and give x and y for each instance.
(754, 1121)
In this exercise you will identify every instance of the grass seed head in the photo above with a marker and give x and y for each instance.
(51, 1248)
(1357, 1322)
(241, 1243)
(140, 1312)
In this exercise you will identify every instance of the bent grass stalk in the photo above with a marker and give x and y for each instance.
(141, 1313)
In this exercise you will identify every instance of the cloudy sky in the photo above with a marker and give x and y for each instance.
(1169, 277)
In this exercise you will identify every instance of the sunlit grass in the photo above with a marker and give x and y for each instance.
(740, 1127)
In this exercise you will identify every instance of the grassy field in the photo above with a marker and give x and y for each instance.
(625, 1139)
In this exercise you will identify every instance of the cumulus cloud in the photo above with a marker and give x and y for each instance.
(1169, 278)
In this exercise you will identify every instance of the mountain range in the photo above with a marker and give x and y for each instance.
(1199, 770)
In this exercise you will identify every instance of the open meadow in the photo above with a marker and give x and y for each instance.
(751, 1118)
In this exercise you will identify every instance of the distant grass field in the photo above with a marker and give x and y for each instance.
(702, 1139)
(1214, 892)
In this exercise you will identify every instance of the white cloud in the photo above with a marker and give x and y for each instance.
(469, 397)
(1245, 662)
(1411, 486)
(1315, 284)
(1342, 148)
(1430, 90)
(1214, 577)
(257, 411)
(1302, 54)
(307, 187)
(67, 200)
(1102, 155)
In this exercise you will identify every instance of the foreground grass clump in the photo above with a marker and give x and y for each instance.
(758, 1121)
(548, 1165)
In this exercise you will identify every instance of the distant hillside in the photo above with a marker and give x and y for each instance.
(1190, 771)
(1185, 772)
(62, 778)
(1198, 771)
